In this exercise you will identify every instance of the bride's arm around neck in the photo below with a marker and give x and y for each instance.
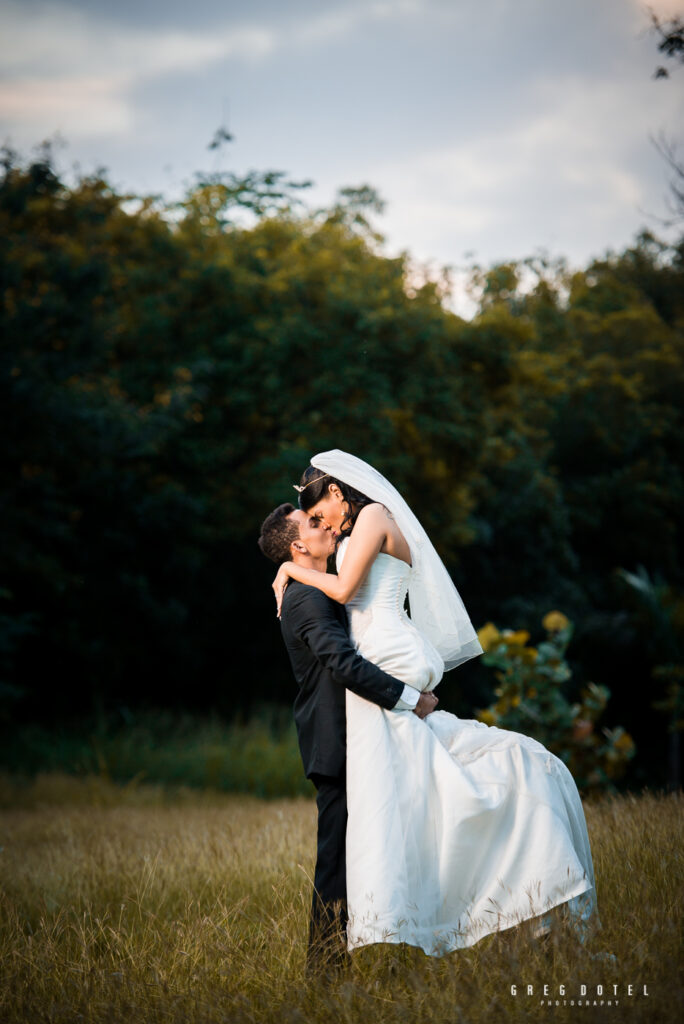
(364, 544)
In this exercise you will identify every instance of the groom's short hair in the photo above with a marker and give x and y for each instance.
(278, 532)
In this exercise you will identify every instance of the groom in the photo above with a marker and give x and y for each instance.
(325, 662)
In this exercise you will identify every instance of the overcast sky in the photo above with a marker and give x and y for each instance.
(492, 128)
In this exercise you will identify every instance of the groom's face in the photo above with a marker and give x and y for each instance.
(317, 538)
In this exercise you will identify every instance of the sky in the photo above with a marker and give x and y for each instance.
(493, 129)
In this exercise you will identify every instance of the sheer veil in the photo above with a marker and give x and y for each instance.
(435, 604)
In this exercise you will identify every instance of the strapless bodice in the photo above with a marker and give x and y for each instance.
(381, 629)
(384, 588)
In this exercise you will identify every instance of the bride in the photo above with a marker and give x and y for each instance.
(455, 829)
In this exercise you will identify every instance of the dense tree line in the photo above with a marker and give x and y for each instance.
(167, 372)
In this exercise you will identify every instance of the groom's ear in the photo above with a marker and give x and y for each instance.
(300, 546)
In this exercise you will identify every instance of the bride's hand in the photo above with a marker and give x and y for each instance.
(279, 584)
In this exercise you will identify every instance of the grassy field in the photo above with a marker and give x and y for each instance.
(144, 903)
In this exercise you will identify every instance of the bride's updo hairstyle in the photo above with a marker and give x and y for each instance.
(314, 486)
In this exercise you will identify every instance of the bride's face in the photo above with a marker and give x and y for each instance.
(331, 509)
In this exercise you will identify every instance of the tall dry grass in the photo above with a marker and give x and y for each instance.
(145, 904)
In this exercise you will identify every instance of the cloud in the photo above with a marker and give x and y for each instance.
(73, 69)
(345, 20)
(84, 104)
(52, 39)
(63, 68)
(570, 175)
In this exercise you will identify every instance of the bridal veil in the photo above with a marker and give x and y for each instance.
(435, 604)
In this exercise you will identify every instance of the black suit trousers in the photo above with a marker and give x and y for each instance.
(327, 927)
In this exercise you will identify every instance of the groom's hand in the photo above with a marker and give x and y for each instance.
(427, 702)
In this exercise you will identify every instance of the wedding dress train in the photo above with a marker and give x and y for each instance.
(456, 829)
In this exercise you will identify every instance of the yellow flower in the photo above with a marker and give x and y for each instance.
(515, 700)
(486, 716)
(488, 636)
(518, 639)
(625, 742)
(555, 621)
(531, 692)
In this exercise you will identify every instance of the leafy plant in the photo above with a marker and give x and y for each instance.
(531, 700)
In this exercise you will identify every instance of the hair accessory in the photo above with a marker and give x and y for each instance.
(315, 480)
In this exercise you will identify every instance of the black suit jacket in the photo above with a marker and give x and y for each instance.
(324, 661)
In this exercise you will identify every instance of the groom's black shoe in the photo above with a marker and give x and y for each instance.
(327, 951)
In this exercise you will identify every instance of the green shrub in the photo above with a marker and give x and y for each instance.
(259, 756)
(531, 700)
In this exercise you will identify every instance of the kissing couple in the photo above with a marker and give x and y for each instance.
(433, 830)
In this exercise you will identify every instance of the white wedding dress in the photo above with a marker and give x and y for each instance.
(456, 829)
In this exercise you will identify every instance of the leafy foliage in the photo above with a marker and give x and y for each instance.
(531, 700)
(167, 370)
(671, 41)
